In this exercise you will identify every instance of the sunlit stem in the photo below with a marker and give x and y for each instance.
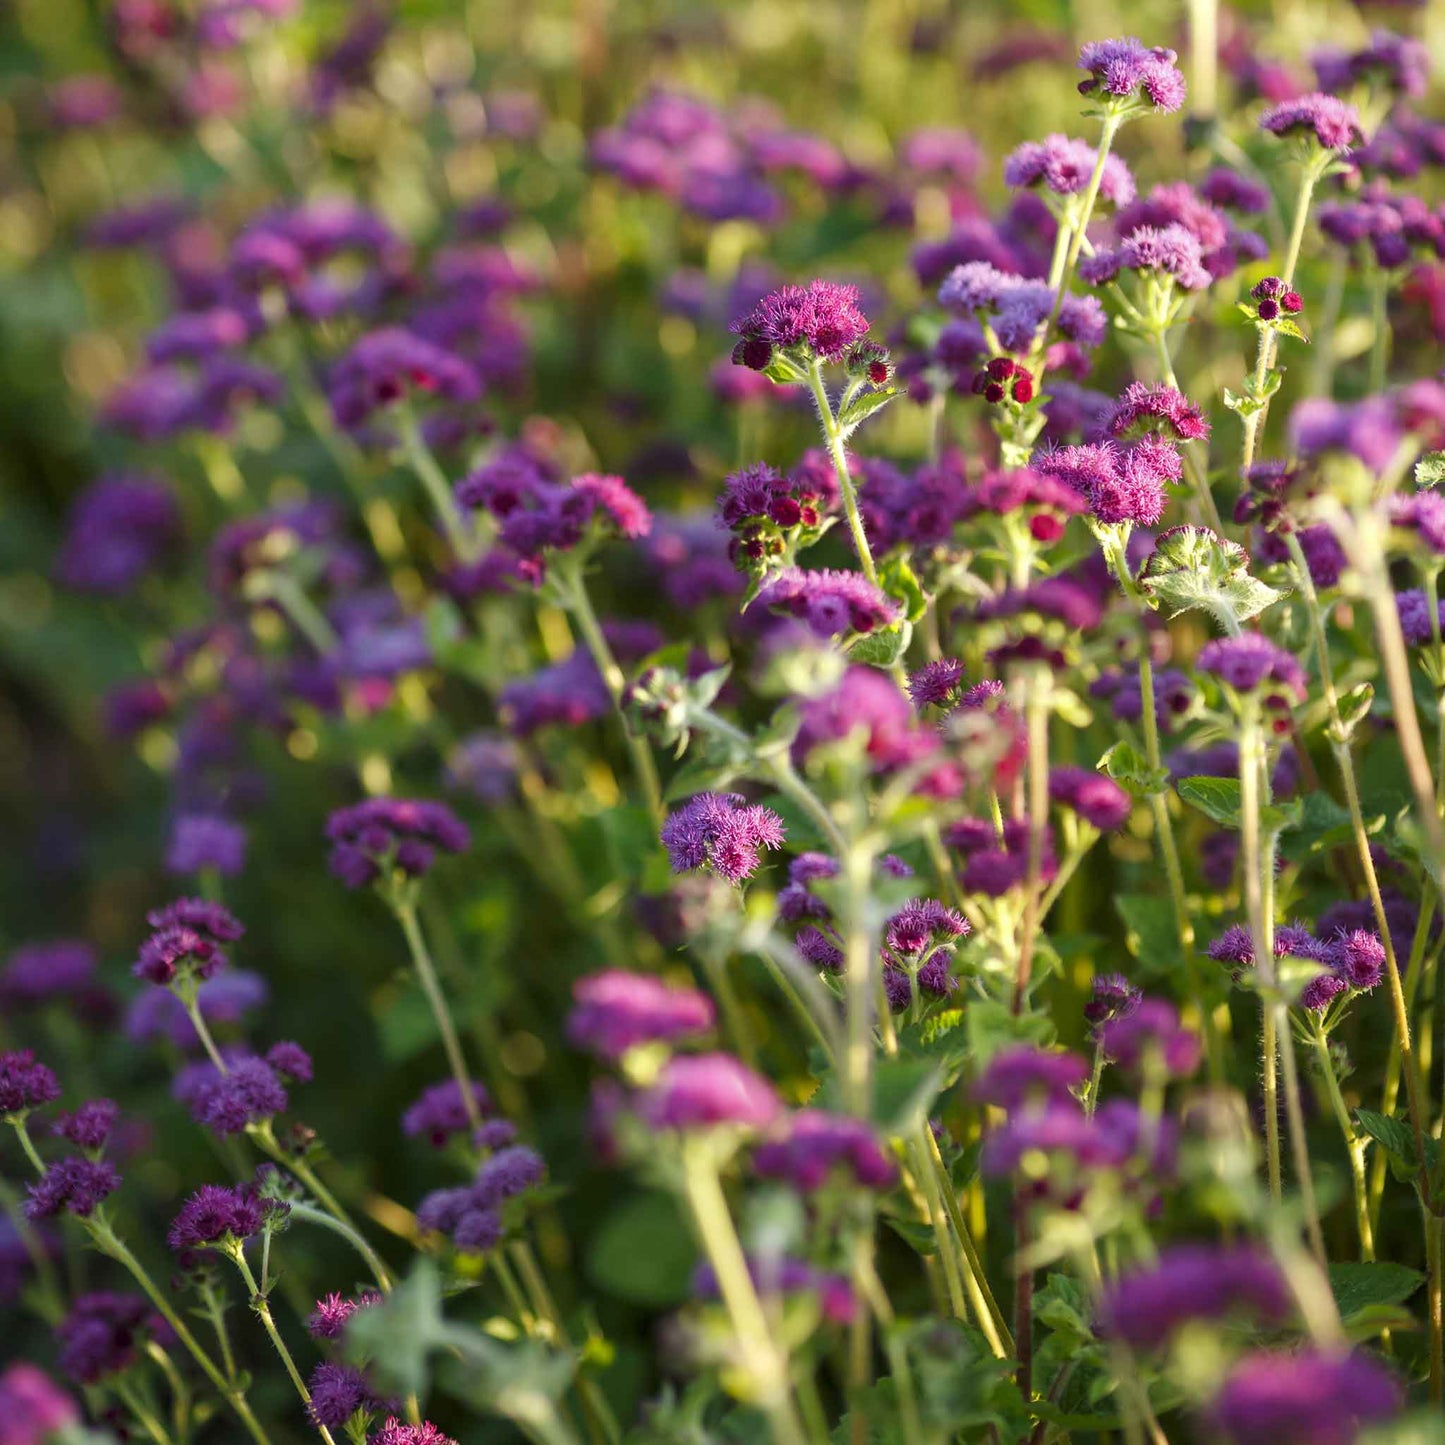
(833, 437)
(1354, 1144)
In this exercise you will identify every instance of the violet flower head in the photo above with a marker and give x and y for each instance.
(104, 1333)
(1415, 621)
(567, 694)
(923, 926)
(401, 834)
(937, 684)
(216, 1215)
(721, 832)
(73, 1186)
(615, 1011)
(704, 1091)
(1309, 1397)
(1252, 663)
(201, 841)
(118, 529)
(823, 316)
(25, 1084)
(812, 1145)
(1150, 1037)
(249, 1092)
(1022, 1076)
(89, 1126)
(385, 367)
(1172, 251)
(337, 1393)
(1063, 165)
(1399, 64)
(1144, 408)
(32, 1406)
(439, 1112)
(1097, 799)
(1332, 123)
(186, 941)
(1122, 484)
(1144, 1307)
(394, 1432)
(225, 998)
(1126, 69)
(1111, 996)
(329, 1319)
(831, 602)
(35, 973)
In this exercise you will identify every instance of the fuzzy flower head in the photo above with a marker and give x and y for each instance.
(1111, 996)
(372, 839)
(1149, 1039)
(395, 1432)
(25, 1084)
(1097, 799)
(1158, 409)
(184, 947)
(771, 515)
(813, 1146)
(386, 367)
(937, 684)
(1309, 1397)
(1063, 166)
(821, 319)
(830, 602)
(338, 1392)
(705, 1091)
(1120, 483)
(1251, 666)
(615, 1011)
(1331, 123)
(71, 1186)
(440, 1112)
(218, 1217)
(104, 1333)
(250, 1091)
(1131, 76)
(1168, 252)
(329, 1319)
(720, 832)
(89, 1126)
(1021, 1076)
(206, 841)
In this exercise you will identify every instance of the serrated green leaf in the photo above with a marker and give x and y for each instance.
(884, 647)
(1430, 470)
(1216, 798)
(1128, 767)
(862, 407)
(1193, 568)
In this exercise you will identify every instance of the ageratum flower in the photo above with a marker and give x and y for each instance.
(615, 1011)
(1332, 123)
(704, 1091)
(823, 319)
(216, 1216)
(1097, 799)
(39, 972)
(1021, 1076)
(104, 1333)
(1146, 1306)
(1222, 245)
(1398, 63)
(1063, 165)
(248, 1092)
(186, 941)
(1126, 69)
(90, 1125)
(224, 999)
(394, 1432)
(381, 834)
(328, 1320)
(1311, 1397)
(440, 1112)
(25, 1084)
(337, 1393)
(567, 693)
(768, 513)
(1232, 191)
(1015, 307)
(1111, 996)
(811, 1146)
(471, 1215)
(720, 832)
(1120, 483)
(1251, 663)
(386, 367)
(118, 529)
(1174, 694)
(206, 840)
(1149, 1037)
(1145, 409)
(74, 1186)
(938, 683)
(997, 865)
(1415, 622)
(831, 602)
(1172, 251)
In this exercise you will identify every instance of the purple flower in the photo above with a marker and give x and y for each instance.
(206, 840)
(616, 1010)
(34, 1409)
(440, 1111)
(118, 529)
(779, 1275)
(337, 1393)
(1122, 484)
(702, 1091)
(247, 1093)
(104, 1333)
(922, 926)
(394, 1432)
(290, 1061)
(829, 601)
(1414, 609)
(1127, 69)
(186, 941)
(404, 834)
(215, 1215)
(1360, 957)
(1099, 800)
(386, 366)
(1250, 663)
(937, 683)
(90, 1125)
(1307, 1398)
(1150, 1036)
(72, 1185)
(1332, 122)
(1370, 429)
(328, 1320)
(812, 1144)
(1111, 996)
(25, 1084)
(1021, 1075)
(1063, 165)
(823, 316)
(1399, 63)
(223, 999)
(1016, 306)
(1234, 192)
(1171, 250)
(1193, 1281)
(718, 831)
(568, 693)
(1144, 408)
(39, 972)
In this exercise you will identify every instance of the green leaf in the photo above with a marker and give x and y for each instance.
(903, 1092)
(899, 582)
(920, 1238)
(1128, 767)
(1379, 1282)
(1285, 327)
(397, 1335)
(1193, 568)
(1216, 798)
(1063, 1305)
(1395, 1137)
(1430, 470)
(884, 647)
(941, 1036)
(1153, 930)
(862, 407)
(643, 1252)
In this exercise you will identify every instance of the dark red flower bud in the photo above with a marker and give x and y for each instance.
(1023, 388)
(1001, 368)
(1292, 302)
(993, 393)
(1268, 310)
(752, 352)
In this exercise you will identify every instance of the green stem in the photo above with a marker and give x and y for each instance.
(579, 605)
(429, 473)
(308, 619)
(833, 437)
(1198, 475)
(130, 1396)
(426, 973)
(1036, 717)
(1354, 1145)
(340, 1225)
